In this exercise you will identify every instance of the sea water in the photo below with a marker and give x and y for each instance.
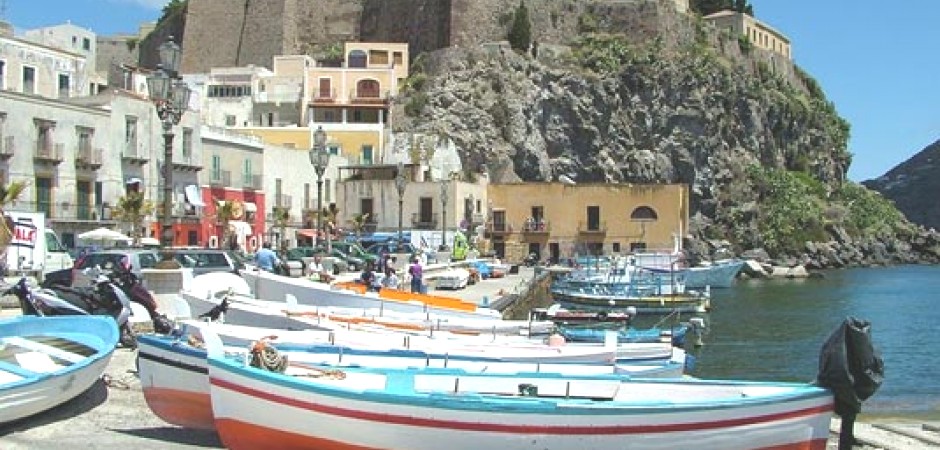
(774, 330)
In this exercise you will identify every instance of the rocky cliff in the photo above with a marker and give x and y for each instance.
(913, 186)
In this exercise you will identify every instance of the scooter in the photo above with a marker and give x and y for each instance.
(104, 298)
(131, 285)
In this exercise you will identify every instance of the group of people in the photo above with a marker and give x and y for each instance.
(390, 279)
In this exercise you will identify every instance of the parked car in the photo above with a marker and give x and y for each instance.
(109, 259)
(305, 254)
(204, 260)
(392, 247)
(355, 250)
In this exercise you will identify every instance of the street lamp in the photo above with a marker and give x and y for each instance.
(400, 185)
(320, 158)
(171, 98)
(444, 179)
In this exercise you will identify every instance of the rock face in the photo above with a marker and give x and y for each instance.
(913, 186)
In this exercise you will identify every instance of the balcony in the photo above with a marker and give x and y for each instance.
(253, 182)
(499, 228)
(220, 178)
(74, 213)
(592, 227)
(322, 96)
(424, 221)
(187, 163)
(6, 147)
(89, 158)
(134, 154)
(283, 201)
(48, 153)
(368, 97)
(537, 227)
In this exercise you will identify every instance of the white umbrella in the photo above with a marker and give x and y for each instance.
(104, 235)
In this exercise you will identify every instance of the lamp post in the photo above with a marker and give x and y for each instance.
(400, 182)
(320, 158)
(444, 179)
(171, 97)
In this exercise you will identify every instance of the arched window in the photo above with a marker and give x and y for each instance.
(367, 89)
(644, 214)
(357, 59)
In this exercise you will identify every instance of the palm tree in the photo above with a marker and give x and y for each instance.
(132, 209)
(226, 211)
(9, 194)
(281, 215)
(359, 222)
(330, 215)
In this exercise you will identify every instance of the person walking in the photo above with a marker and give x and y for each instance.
(416, 272)
(266, 259)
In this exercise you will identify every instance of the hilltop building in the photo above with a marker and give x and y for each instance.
(760, 34)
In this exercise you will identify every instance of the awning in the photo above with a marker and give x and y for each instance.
(308, 232)
(134, 180)
(193, 196)
(250, 207)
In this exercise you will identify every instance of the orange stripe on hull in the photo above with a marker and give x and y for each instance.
(181, 408)
(406, 296)
(237, 435)
(815, 444)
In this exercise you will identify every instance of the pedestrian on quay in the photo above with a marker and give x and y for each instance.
(416, 272)
(390, 281)
(266, 259)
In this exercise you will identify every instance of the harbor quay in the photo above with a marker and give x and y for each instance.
(113, 413)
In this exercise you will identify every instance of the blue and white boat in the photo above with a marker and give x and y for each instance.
(46, 361)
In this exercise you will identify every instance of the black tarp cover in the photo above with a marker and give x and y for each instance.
(850, 366)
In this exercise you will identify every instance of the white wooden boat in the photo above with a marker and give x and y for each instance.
(173, 371)
(431, 409)
(719, 274)
(46, 361)
(270, 286)
(453, 278)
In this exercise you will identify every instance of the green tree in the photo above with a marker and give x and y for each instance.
(173, 8)
(706, 7)
(225, 213)
(132, 209)
(330, 215)
(281, 215)
(520, 35)
(359, 222)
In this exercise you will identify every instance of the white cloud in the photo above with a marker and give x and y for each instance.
(156, 5)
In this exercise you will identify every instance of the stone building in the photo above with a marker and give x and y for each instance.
(760, 34)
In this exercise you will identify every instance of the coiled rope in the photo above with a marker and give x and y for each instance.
(265, 356)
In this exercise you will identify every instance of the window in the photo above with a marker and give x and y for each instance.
(365, 207)
(44, 143)
(499, 220)
(83, 200)
(357, 59)
(187, 142)
(367, 154)
(615, 247)
(63, 85)
(367, 89)
(246, 172)
(216, 168)
(325, 90)
(425, 208)
(326, 190)
(84, 141)
(594, 218)
(86, 44)
(44, 195)
(333, 149)
(3, 74)
(230, 120)
(644, 214)
(130, 136)
(29, 80)
(398, 58)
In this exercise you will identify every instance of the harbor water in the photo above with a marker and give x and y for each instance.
(774, 330)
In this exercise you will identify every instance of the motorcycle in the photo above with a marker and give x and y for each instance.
(131, 285)
(104, 298)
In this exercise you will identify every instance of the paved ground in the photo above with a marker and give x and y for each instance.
(114, 415)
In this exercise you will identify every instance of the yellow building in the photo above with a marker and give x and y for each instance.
(558, 220)
(760, 34)
(350, 101)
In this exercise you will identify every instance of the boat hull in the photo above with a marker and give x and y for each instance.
(254, 408)
(47, 361)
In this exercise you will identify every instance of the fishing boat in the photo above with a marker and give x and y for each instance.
(430, 409)
(719, 274)
(271, 286)
(610, 298)
(46, 361)
(173, 369)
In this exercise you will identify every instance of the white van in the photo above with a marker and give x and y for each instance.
(34, 249)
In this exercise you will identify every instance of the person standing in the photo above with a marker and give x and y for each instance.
(416, 272)
(266, 259)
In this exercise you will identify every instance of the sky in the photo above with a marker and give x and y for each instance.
(876, 61)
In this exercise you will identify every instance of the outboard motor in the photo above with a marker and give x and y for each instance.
(852, 368)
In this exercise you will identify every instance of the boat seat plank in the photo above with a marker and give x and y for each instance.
(12, 372)
(42, 348)
(37, 362)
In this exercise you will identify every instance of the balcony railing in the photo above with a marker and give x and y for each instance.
(71, 212)
(536, 226)
(220, 178)
(255, 182)
(187, 163)
(367, 97)
(7, 147)
(134, 153)
(48, 152)
(499, 228)
(424, 221)
(324, 95)
(592, 227)
(89, 158)
(283, 201)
